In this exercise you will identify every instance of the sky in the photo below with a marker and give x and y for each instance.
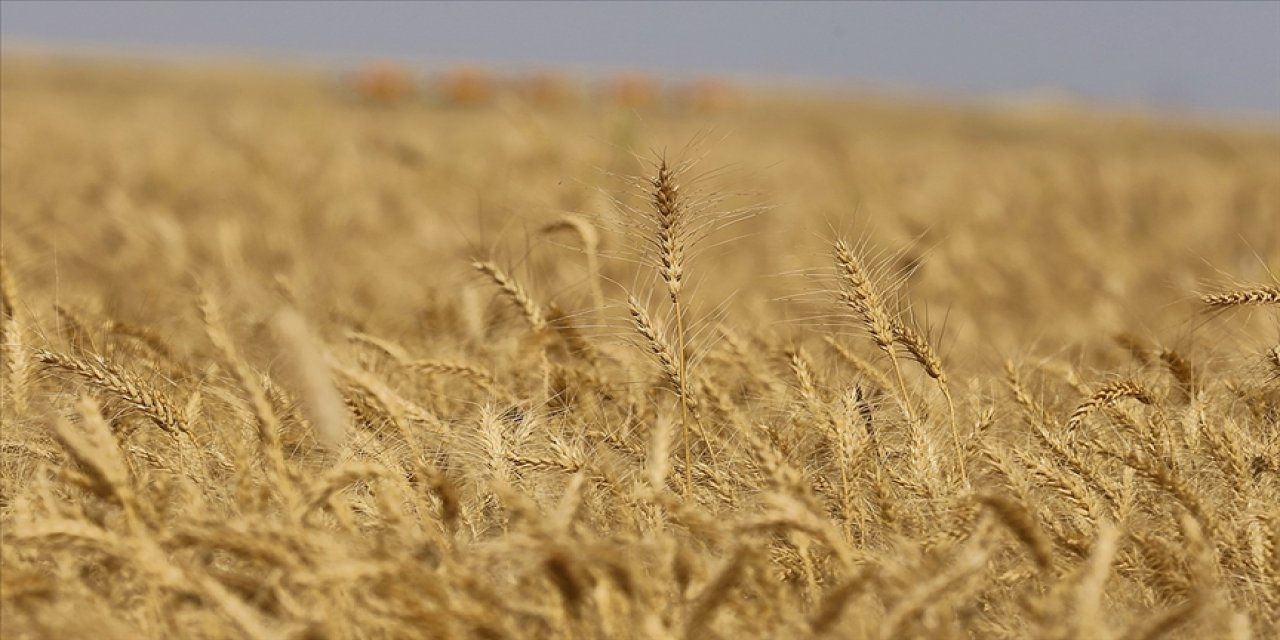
(1202, 56)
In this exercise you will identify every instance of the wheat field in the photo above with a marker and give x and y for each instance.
(281, 363)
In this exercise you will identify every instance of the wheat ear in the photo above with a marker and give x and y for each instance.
(670, 217)
(671, 365)
(515, 292)
(860, 293)
(1109, 393)
(127, 387)
(1265, 294)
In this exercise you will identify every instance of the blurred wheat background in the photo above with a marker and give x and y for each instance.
(288, 355)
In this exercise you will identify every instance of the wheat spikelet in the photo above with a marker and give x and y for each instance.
(476, 375)
(670, 228)
(512, 289)
(655, 342)
(1264, 294)
(920, 350)
(544, 464)
(135, 393)
(386, 401)
(145, 335)
(672, 366)
(1107, 394)
(859, 293)
(670, 236)
(803, 371)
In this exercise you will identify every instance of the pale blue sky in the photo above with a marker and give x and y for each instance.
(1206, 56)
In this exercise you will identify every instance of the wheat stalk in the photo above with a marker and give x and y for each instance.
(268, 424)
(923, 353)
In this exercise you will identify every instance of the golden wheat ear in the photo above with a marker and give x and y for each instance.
(514, 291)
(136, 394)
(1264, 294)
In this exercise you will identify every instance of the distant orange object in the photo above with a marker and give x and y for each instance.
(633, 90)
(710, 95)
(383, 82)
(549, 89)
(467, 85)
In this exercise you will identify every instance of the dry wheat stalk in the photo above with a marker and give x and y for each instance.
(923, 353)
(671, 220)
(268, 424)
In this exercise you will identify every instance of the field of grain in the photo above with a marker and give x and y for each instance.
(280, 362)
